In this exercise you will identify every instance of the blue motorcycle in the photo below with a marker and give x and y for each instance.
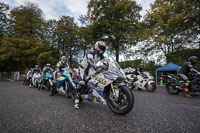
(47, 81)
(64, 82)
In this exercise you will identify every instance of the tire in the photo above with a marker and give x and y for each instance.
(39, 87)
(52, 90)
(170, 88)
(36, 84)
(48, 86)
(152, 87)
(126, 95)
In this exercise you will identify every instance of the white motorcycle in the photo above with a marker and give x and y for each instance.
(36, 79)
(145, 82)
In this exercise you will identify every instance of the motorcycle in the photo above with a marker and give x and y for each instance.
(107, 85)
(63, 82)
(175, 84)
(47, 81)
(145, 82)
(28, 78)
(36, 79)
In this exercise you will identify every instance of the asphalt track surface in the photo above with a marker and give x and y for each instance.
(27, 110)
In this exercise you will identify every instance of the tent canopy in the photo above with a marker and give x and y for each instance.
(169, 67)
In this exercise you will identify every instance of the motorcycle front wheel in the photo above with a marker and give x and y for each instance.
(171, 89)
(151, 87)
(36, 84)
(123, 104)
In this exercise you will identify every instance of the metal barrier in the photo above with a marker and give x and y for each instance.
(11, 76)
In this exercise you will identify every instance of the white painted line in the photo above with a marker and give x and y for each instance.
(10, 80)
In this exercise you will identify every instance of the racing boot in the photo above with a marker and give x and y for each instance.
(77, 100)
(186, 93)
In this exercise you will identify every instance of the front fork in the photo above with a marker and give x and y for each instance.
(115, 91)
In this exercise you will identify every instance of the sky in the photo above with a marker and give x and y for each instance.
(53, 9)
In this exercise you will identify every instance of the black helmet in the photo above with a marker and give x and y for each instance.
(193, 59)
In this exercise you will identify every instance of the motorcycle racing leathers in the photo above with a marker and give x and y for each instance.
(90, 59)
(185, 69)
(59, 66)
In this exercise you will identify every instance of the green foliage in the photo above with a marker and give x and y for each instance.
(49, 36)
(26, 21)
(117, 19)
(179, 57)
(168, 27)
(67, 38)
(18, 53)
(131, 63)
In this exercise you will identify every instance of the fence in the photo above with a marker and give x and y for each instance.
(11, 76)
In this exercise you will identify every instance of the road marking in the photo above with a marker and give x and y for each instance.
(10, 80)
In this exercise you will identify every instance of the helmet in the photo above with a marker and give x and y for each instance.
(48, 65)
(37, 66)
(64, 59)
(141, 67)
(100, 47)
(193, 59)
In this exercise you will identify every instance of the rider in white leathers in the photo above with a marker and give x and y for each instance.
(92, 57)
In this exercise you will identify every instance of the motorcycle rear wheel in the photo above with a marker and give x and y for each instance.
(171, 89)
(124, 104)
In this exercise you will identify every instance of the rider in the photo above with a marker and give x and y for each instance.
(61, 64)
(92, 57)
(140, 70)
(46, 69)
(35, 70)
(185, 69)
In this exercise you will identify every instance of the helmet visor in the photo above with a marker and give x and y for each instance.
(102, 49)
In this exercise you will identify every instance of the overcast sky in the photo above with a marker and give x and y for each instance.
(53, 9)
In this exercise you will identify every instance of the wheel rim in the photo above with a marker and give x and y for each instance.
(172, 89)
(121, 102)
(151, 87)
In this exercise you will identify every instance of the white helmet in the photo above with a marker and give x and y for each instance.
(100, 47)
(64, 59)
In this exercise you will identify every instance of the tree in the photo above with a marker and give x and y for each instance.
(116, 19)
(27, 21)
(3, 18)
(168, 27)
(18, 53)
(85, 33)
(49, 33)
(24, 45)
(67, 37)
